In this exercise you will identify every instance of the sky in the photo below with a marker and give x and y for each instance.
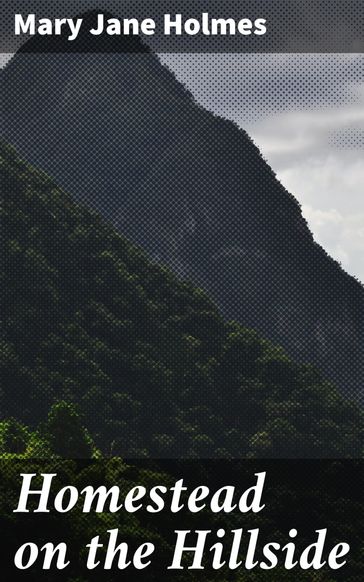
(306, 114)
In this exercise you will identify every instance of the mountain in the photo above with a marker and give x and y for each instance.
(155, 370)
(117, 131)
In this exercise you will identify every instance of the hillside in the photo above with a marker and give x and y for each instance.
(119, 133)
(150, 362)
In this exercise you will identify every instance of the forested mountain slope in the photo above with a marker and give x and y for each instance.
(148, 359)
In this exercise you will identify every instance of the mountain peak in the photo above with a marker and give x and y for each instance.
(122, 135)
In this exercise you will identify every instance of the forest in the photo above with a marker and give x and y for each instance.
(99, 335)
(107, 354)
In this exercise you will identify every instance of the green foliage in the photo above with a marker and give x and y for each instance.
(147, 358)
(13, 437)
(65, 434)
(62, 435)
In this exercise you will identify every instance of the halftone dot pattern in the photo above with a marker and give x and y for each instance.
(247, 88)
(292, 25)
(350, 138)
(122, 136)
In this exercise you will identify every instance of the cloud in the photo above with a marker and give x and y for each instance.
(326, 177)
(247, 87)
(4, 58)
(341, 234)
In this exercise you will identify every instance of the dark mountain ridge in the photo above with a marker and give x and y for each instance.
(121, 134)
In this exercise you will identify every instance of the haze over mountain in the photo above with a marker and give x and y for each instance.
(121, 134)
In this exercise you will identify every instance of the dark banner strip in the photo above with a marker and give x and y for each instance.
(255, 26)
(193, 520)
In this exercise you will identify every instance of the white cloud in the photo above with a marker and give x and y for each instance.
(327, 180)
(341, 234)
(4, 58)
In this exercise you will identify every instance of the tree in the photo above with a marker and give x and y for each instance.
(65, 433)
(13, 437)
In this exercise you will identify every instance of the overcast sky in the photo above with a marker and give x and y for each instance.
(306, 114)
